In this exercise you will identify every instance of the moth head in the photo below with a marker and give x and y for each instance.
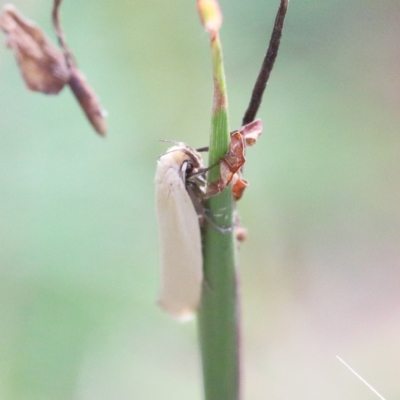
(183, 158)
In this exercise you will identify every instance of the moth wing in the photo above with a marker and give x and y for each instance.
(181, 256)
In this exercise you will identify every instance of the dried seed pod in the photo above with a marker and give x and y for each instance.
(42, 65)
(46, 69)
(84, 93)
(88, 100)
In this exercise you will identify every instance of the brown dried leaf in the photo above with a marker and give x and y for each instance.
(239, 185)
(42, 66)
(214, 188)
(235, 156)
(234, 159)
(251, 132)
(229, 165)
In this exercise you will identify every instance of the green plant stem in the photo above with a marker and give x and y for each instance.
(218, 315)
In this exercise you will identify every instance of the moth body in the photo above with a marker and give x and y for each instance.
(179, 190)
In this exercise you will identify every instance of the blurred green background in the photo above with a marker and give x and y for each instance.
(78, 238)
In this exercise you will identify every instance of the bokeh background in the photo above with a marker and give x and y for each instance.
(78, 237)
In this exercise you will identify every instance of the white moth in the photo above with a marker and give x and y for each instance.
(179, 188)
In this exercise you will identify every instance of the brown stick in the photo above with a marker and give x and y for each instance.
(69, 58)
(267, 65)
(85, 95)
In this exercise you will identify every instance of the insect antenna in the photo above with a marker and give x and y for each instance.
(169, 141)
(180, 148)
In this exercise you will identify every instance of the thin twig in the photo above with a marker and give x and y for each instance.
(69, 58)
(268, 64)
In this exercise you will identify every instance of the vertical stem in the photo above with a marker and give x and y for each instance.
(218, 315)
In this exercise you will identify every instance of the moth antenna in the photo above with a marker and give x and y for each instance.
(182, 149)
(171, 151)
(169, 141)
(267, 65)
